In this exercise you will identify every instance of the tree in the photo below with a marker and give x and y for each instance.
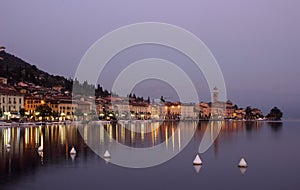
(22, 112)
(248, 114)
(275, 114)
(55, 114)
(43, 111)
(162, 99)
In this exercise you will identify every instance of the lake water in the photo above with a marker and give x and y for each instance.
(270, 148)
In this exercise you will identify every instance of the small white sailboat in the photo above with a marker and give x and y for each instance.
(197, 160)
(73, 151)
(243, 163)
(106, 154)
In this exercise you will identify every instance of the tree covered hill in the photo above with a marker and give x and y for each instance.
(17, 70)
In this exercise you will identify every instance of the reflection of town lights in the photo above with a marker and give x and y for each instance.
(26, 136)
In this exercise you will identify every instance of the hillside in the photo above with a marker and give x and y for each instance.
(17, 70)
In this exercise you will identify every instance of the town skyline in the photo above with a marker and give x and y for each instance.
(58, 96)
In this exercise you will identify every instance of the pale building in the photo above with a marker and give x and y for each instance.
(66, 108)
(11, 102)
(140, 110)
(188, 111)
(121, 108)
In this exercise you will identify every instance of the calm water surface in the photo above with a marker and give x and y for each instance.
(270, 148)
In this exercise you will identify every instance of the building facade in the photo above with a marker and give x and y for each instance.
(11, 103)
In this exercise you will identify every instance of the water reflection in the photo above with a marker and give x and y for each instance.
(154, 135)
(243, 170)
(57, 141)
(197, 168)
(275, 126)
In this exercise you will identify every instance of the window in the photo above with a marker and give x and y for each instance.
(20, 100)
(3, 99)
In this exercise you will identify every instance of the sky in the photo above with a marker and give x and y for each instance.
(256, 42)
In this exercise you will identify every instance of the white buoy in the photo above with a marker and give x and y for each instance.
(73, 151)
(243, 163)
(197, 160)
(106, 154)
(7, 145)
(40, 149)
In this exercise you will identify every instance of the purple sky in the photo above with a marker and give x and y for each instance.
(255, 42)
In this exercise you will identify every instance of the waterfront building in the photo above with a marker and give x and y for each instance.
(121, 109)
(11, 102)
(31, 103)
(140, 110)
(239, 113)
(204, 110)
(229, 110)
(66, 108)
(188, 111)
